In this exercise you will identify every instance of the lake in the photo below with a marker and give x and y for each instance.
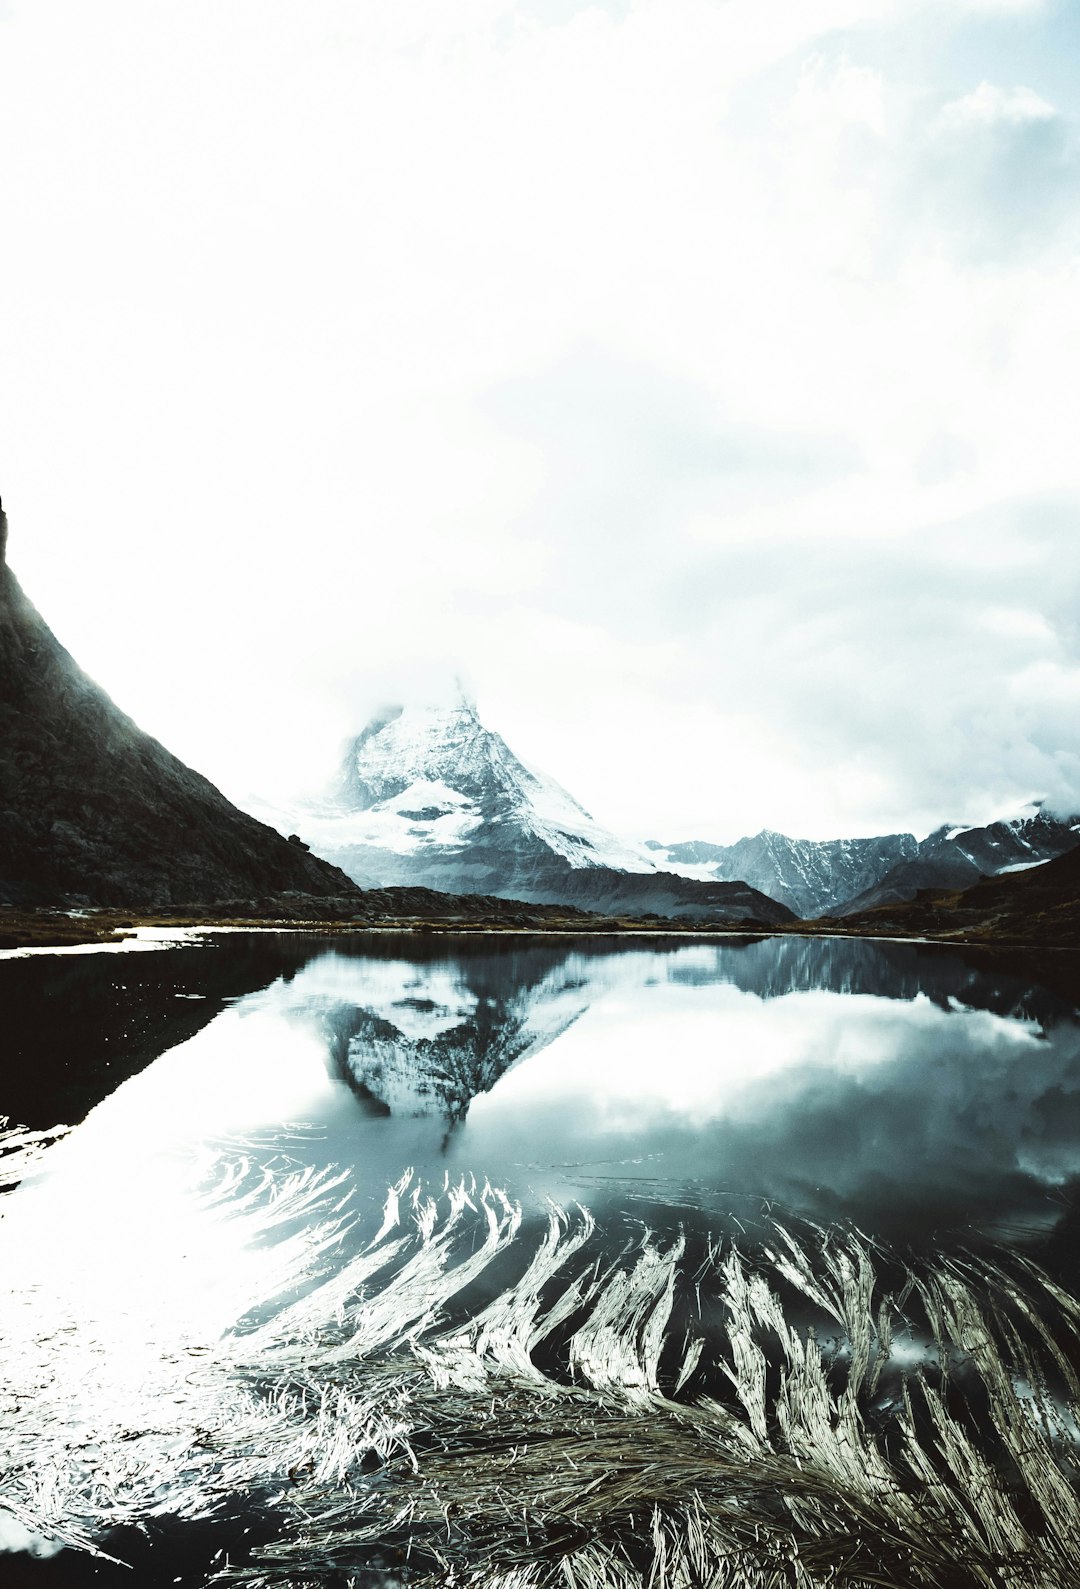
(242, 1104)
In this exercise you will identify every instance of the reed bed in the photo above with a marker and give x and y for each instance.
(473, 1396)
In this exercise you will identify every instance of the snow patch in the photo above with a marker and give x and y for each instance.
(555, 817)
(700, 871)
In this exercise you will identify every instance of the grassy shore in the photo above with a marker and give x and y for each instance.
(61, 929)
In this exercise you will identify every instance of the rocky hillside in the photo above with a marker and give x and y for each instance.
(93, 811)
(956, 858)
(1040, 904)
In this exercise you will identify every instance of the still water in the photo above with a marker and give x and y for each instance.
(913, 1089)
(928, 1096)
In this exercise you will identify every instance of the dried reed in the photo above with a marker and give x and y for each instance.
(478, 1399)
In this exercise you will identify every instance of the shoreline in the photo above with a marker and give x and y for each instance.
(48, 930)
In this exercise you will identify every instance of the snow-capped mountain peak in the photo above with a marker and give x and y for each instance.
(436, 774)
(427, 795)
(402, 746)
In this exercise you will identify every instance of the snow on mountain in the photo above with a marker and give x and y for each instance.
(836, 876)
(429, 796)
(424, 1040)
(428, 776)
(811, 876)
(955, 857)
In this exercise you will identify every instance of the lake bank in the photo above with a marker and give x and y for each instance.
(54, 929)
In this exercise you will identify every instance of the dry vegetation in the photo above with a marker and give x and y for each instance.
(473, 1396)
(61, 929)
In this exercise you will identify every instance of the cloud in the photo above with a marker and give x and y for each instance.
(686, 372)
(999, 171)
(1005, 7)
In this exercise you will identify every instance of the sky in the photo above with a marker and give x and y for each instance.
(694, 378)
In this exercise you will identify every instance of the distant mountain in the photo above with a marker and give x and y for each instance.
(810, 876)
(958, 857)
(95, 812)
(840, 876)
(1037, 904)
(431, 797)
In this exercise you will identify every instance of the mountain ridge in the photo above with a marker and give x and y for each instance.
(838, 877)
(93, 811)
(1039, 905)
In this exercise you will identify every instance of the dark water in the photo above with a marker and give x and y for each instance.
(930, 1096)
(913, 1089)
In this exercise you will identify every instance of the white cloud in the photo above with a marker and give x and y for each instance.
(631, 357)
(990, 103)
(1005, 7)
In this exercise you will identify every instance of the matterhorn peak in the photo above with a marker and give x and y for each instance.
(428, 795)
(420, 745)
(433, 776)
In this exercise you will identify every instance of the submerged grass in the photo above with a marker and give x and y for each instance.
(476, 1398)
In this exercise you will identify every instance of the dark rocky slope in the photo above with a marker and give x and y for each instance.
(666, 894)
(955, 859)
(1040, 905)
(94, 811)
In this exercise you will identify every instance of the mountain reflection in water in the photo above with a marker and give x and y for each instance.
(243, 1106)
(913, 1089)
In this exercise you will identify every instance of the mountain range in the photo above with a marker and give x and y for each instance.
(94, 812)
(842, 877)
(428, 796)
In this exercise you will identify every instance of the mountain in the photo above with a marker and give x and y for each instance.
(810, 876)
(956, 858)
(841, 876)
(429, 796)
(95, 812)
(1038, 904)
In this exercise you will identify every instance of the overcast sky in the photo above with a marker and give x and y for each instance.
(698, 378)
